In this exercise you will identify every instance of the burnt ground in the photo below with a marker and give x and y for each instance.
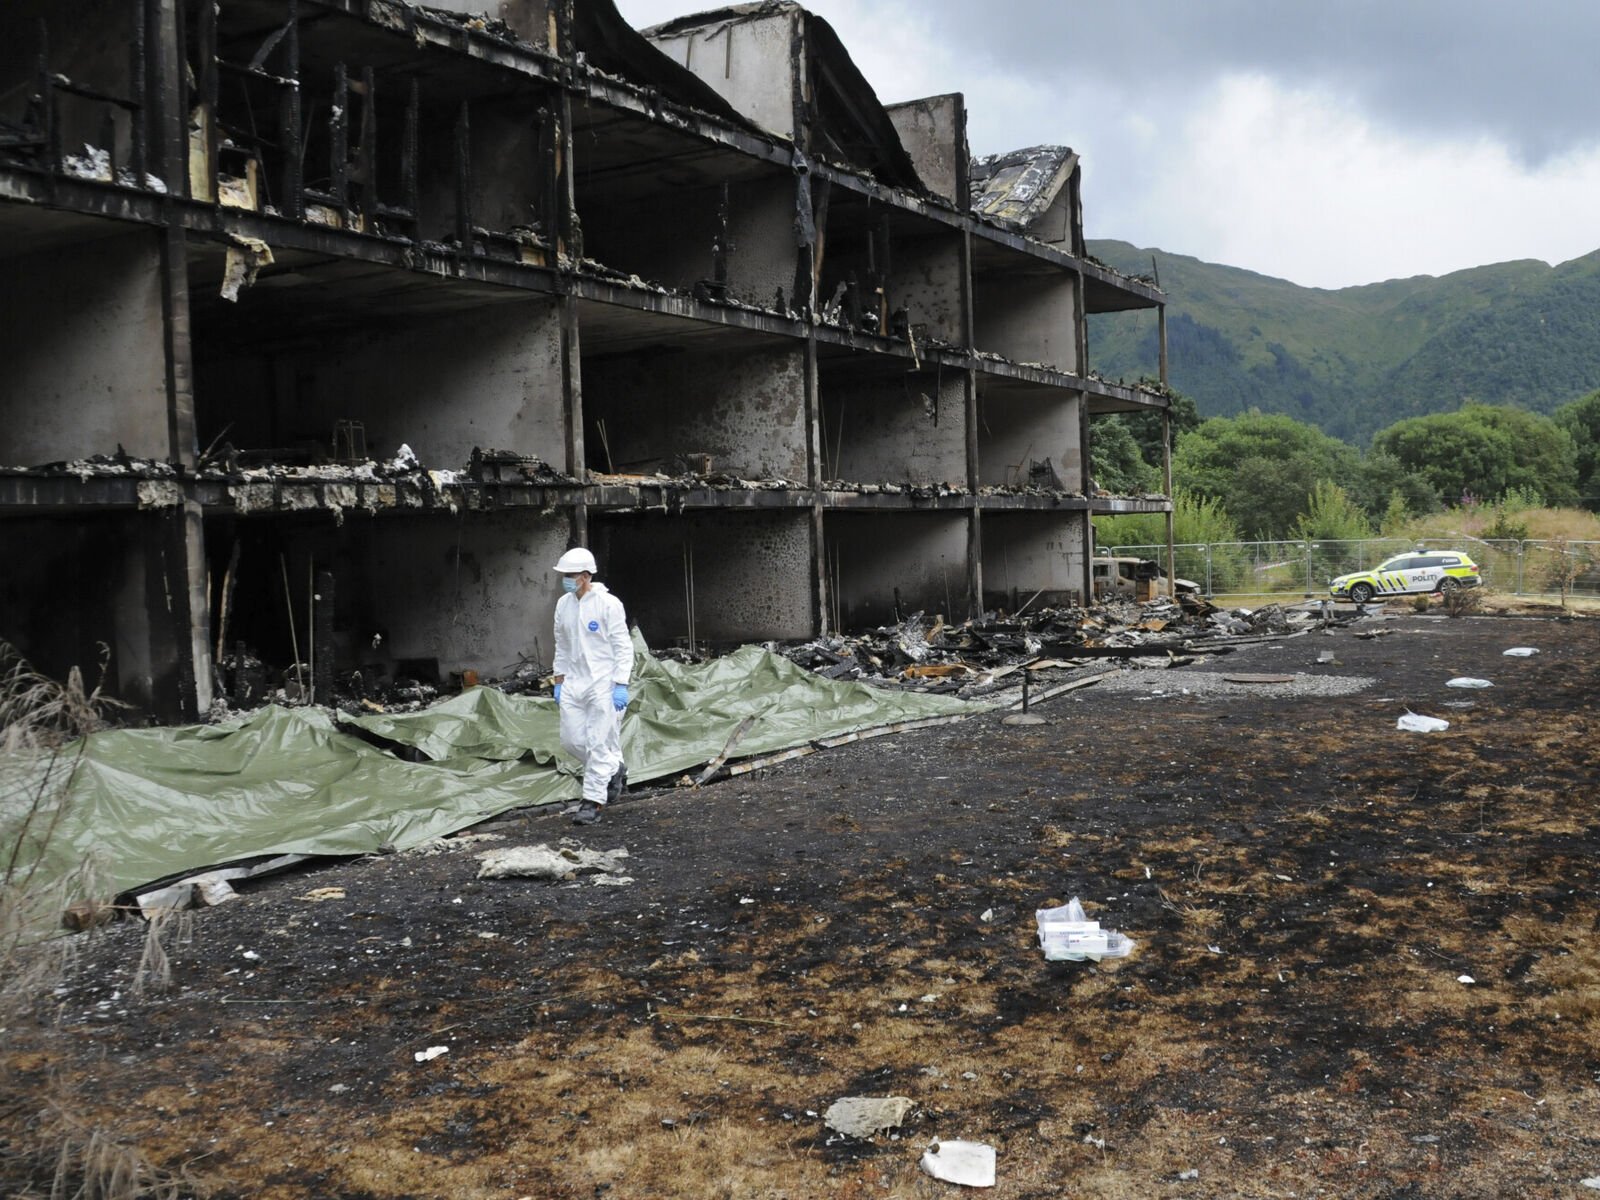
(1305, 883)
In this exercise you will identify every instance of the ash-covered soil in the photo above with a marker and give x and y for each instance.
(1310, 890)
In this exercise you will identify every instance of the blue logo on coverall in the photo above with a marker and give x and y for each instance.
(593, 626)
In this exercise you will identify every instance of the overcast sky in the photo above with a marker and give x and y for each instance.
(1329, 142)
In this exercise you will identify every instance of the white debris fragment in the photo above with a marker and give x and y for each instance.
(986, 916)
(863, 1116)
(1416, 723)
(431, 1053)
(541, 862)
(969, 1163)
(94, 163)
(1520, 652)
(1465, 979)
(1467, 681)
(245, 258)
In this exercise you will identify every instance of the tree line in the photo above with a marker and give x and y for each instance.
(1264, 476)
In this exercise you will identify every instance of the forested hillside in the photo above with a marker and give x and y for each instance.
(1356, 360)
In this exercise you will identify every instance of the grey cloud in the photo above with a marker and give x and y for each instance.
(1521, 73)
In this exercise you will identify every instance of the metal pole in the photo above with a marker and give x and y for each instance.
(1166, 470)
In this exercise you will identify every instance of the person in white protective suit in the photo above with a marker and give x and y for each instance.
(594, 661)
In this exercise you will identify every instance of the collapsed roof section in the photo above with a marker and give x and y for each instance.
(1017, 189)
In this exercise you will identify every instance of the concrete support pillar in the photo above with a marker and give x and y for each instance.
(974, 562)
(177, 599)
(813, 410)
(572, 411)
(158, 656)
(969, 385)
(1084, 447)
(975, 522)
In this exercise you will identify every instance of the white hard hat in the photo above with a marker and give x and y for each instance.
(575, 560)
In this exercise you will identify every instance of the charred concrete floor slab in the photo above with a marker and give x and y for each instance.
(1367, 967)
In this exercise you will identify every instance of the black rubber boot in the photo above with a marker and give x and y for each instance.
(588, 813)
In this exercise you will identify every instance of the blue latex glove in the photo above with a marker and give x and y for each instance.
(619, 697)
(558, 693)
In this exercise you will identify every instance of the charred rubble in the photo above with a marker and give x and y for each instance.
(331, 323)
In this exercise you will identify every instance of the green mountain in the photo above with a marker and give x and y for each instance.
(1355, 360)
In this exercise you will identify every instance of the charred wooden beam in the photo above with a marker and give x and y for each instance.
(366, 156)
(138, 132)
(464, 179)
(293, 200)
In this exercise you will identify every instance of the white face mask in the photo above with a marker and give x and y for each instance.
(570, 585)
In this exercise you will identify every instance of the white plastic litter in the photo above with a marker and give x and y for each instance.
(1467, 681)
(1465, 979)
(969, 1163)
(431, 1053)
(1067, 935)
(1520, 652)
(1592, 1182)
(1415, 723)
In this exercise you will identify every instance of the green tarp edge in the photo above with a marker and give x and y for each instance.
(149, 804)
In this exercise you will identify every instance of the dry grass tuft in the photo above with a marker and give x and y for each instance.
(154, 973)
(1192, 915)
(85, 1163)
(42, 724)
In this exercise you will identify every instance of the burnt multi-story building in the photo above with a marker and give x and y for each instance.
(329, 324)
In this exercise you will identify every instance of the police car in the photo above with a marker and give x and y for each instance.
(1419, 571)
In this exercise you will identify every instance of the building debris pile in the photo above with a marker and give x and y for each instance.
(977, 656)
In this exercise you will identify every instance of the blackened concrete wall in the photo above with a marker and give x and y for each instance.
(1017, 426)
(746, 410)
(934, 133)
(473, 591)
(490, 379)
(925, 280)
(671, 238)
(896, 428)
(1024, 552)
(750, 571)
(870, 555)
(749, 61)
(81, 340)
(1028, 319)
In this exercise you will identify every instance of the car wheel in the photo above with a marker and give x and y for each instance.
(1448, 585)
(1361, 593)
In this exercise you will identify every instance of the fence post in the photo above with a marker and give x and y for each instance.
(1520, 545)
(1308, 570)
(1210, 591)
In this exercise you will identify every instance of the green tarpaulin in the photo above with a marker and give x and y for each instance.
(148, 804)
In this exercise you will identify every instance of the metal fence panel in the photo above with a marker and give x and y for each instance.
(1296, 568)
